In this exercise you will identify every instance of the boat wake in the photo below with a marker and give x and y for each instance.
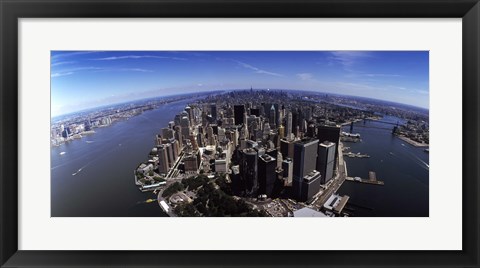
(78, 171)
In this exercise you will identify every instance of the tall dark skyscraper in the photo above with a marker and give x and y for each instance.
(255, 111)
(272, 116)
(238, 114)
(213, 111)
(329, 133)
(326, 160)
(304, 162)
(266, 174)
(249, 170)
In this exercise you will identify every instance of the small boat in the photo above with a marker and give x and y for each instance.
(62, 153)
(150, 200)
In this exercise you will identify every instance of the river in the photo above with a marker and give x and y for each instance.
(105, 185)
(403, 167)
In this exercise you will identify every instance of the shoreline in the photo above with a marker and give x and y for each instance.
(412, 142)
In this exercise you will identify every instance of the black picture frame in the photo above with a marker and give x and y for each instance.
(12, 10)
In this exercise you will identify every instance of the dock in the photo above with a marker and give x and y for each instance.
(372, 179)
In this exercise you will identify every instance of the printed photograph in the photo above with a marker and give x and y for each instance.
(239, 133)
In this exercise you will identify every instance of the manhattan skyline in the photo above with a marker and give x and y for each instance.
(88, 79)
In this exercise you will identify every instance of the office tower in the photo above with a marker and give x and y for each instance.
(238, 114)
(178, 119)
(167, 133)
(246, 134)
(266, 129)
(189, 111)
(255, 111)
(304, 161)
(272, 152)
(185, 124)
(238, 185)
(200, 140)
(281, 131)
(266, 174)
(163, 164)
(215, 128)
(272, 116)
(326, 160)
(279, 160)
(310, 185)
(249, 170)
(221, 165)
(288, 128)
(170, 154)
(286, 148)
(213, 111)
(175, 149)
(311, 131)
(287, 166)
(178, 136)
(221, 134)
(332, 134)
(210, 136)
(193, 142)
(294, 122)
(191, 163)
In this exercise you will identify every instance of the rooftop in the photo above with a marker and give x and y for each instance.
(308, 212)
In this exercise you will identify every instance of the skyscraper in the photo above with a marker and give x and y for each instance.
(163, 164)
(281, 132)
(287, 166)
(332, 134)
(238, 114)
(249, 170)
(304, 162)
(326, 160)
(272, 117)
(213, 111)
(286, 148)
(310, 185)
(288, 128)
(266, 174)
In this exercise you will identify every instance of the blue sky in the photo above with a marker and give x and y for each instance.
(87, 79)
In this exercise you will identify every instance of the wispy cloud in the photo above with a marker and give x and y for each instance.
(305, 76)
(70, 54)
(130, 70)
(424, 92)
(61, 74)
(382, 75)
(61, 63)
(97, 69)
(139, 57)
(256, 69)
(348, 58)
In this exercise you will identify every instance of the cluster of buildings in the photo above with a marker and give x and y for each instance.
(265, 148)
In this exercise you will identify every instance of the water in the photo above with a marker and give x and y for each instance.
(403, 167)
(103, 164)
